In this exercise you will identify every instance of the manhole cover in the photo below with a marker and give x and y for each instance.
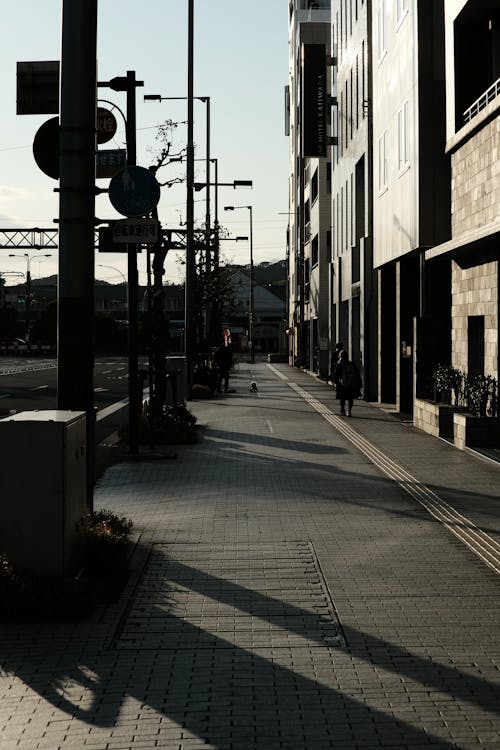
(249, 596)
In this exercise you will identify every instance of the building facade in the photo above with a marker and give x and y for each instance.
(471, 257)
(309, 235)
(353, 308)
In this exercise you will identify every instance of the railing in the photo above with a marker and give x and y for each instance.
(482, 101)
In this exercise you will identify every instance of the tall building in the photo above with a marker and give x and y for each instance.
(469, 262)
(309, 128)
(411, 185)
(353, 309)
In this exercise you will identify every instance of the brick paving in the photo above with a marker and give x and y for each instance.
(285, 593)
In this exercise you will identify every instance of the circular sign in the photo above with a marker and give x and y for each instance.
(134, 191)
(106, 125)
(46, 147)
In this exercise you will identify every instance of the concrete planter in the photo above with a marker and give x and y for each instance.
(435, 418)
(476, 432)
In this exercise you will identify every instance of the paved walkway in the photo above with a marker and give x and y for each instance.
(302, 581)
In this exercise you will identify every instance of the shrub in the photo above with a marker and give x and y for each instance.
(482, 395)
(450, 380)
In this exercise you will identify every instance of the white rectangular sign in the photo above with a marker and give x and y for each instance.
(136, 231)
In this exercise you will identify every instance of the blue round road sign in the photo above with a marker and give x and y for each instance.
(134, 191)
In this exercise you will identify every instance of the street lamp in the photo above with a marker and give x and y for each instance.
(250, 296)
(28, 258)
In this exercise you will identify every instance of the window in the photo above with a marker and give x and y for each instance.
(314, 186)
(314, 251)
(381, 40)
(382, 161)
(403, 137)
(401, 10)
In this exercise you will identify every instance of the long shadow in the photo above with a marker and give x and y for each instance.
(231, 697)
(313, 446)
(365, 485)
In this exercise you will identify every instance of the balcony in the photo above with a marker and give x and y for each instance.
(482, 101)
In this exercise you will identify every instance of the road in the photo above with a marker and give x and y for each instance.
(28, 383)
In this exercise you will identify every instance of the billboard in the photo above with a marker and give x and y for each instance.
(314, 100)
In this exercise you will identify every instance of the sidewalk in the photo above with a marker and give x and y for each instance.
(302, 581)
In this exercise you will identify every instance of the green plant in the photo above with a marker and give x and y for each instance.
(105, 536)
(482, 395)
(450, 380)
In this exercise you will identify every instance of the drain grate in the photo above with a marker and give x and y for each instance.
(251, 596)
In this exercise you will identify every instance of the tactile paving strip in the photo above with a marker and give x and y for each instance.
(250, 596)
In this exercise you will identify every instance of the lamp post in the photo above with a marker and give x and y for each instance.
(28, 258)
(250, 296)
(114, 268)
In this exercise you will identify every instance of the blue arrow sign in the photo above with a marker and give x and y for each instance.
(134, 191)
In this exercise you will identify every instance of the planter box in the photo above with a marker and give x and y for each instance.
(435, 418)
(476, 432)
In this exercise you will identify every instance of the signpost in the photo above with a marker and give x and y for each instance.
(110, 161)
(106, 125)
(46, 147)
(134, 191)
(140, 231)
(38, 88)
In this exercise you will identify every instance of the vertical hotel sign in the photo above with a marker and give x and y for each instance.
(314, 100)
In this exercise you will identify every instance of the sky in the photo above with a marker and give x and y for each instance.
(240, 61)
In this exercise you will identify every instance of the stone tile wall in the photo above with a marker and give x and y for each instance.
(475, 292)
(476, 180)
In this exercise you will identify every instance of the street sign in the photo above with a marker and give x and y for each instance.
(106, 125)
(46, 147)
(110, 161)
(134, 191)
(136, 231)
(38, 88)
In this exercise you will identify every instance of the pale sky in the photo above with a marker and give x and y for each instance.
(241, 62)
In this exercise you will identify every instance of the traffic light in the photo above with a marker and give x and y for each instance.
(21, 299)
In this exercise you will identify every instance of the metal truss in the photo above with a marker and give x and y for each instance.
(29, 239)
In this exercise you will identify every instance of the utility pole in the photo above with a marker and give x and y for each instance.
(190, 250)
(77, 147)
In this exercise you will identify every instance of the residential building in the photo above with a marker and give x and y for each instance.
(411, 183)
(468, 264)
(353, 302)
(309, 235)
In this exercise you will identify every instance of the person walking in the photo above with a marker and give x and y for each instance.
(348, 383)
(223, 358)
(334, 360)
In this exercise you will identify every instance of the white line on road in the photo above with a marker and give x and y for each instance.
(38, 388)
(270, 427)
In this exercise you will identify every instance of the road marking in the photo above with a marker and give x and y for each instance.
(480, 543)
(5, 395)
(100, 390)
(270, 427)
(38, 388)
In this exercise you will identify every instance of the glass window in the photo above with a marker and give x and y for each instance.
(382, 161)
(381, 30)
(403, 137)
(401, 10)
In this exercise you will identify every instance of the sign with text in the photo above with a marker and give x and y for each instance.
(109, 161)
(314, 101)
(136, 231)
(38, 88)
(106, 125)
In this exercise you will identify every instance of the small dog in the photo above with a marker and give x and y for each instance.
(253, 387)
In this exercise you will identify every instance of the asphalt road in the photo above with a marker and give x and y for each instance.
(28, 383)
